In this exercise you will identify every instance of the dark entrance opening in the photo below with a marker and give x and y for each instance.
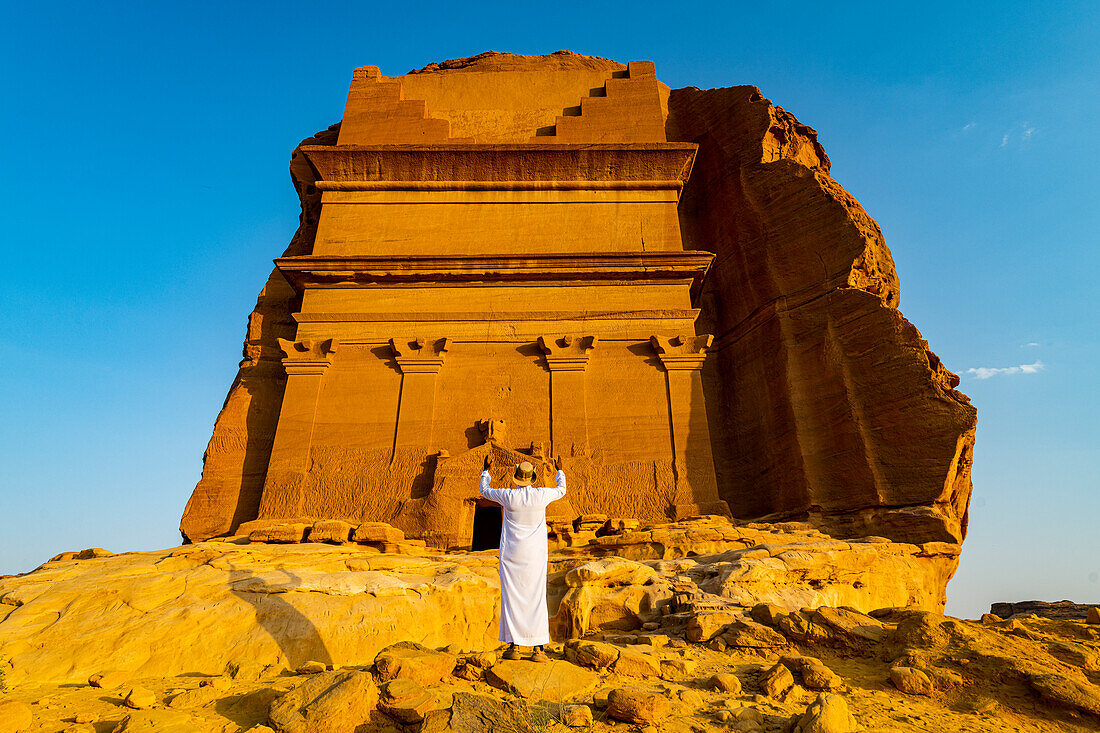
(487, 521)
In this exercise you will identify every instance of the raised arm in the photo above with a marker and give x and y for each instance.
(491, 494)
(558, 491)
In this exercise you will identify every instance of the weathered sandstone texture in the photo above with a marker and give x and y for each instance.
(198, 607)
(530, 256)
(229, 637)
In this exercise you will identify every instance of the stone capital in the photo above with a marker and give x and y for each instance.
(419, 355)
(307, 356)
(567, 353)
(683, 351)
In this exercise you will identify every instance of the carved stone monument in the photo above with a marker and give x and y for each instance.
(539, 256)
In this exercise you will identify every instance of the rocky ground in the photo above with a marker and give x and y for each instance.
(233, 636)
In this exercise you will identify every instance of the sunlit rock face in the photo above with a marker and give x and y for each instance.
(529, 256)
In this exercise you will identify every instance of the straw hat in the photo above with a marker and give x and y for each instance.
(524, 475)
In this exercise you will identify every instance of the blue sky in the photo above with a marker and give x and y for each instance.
(145, 192)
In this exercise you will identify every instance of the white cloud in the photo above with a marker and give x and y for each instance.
(1027, 132)
(987, 372)
(1031, 344)
(969, 126)
(1004, 140)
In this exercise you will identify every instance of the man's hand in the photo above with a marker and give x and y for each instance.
(557, 463)
(488, 462)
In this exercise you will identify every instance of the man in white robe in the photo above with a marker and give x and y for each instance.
(524, 618)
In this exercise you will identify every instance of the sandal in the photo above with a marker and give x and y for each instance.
(512, 653)
(538, 655)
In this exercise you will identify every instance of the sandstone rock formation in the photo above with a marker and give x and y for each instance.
(1064, 610)
(376, 375)
(203, 639)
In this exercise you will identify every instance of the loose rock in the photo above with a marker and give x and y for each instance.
(138, 698)
(776, 682)
(703, 627)
(827, 714)
(728, 683)
(406, 701)
(415, 662)
(331, 531)
(632, 664)
(328, 702)
(637, 706)
(911, 681)
(577, 716)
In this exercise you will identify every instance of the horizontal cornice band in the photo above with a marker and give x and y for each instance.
(502, 163)
(659, 185)
(480, 316)
(328, 270)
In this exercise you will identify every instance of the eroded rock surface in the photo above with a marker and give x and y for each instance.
(412, 642)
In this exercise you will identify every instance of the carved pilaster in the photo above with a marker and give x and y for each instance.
(567, 353)
(305, 362)
(567, 360)
(696, 487)
(419, 355)
(420, 360)
(682, 352)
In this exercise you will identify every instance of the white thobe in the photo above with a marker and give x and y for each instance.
(523, 555)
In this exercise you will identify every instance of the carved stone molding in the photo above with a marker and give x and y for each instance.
(683, 351)
(307, 356)
(567, 353)
(419, 355)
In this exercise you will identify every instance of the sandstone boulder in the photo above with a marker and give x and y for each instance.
(776, 682)
(554, 680)
(725, 682)
(288, 533)
(677, 668)
(594, 654)
(413, 661)
(766, 613)
(745, 634)
(817, 676)
(331, 702)
(15, 716)
(332, 531)
(139, 698)
(407, 702)
(911, 681)
(705, 626)
(472, 712)
(633, 664)
(637, 706)
(827, 714)
(577, 716)
(377, 532)
(1062, 691)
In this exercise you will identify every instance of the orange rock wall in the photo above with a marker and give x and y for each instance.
(828, 402)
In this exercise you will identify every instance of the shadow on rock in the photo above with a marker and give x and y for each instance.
(296, 635)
